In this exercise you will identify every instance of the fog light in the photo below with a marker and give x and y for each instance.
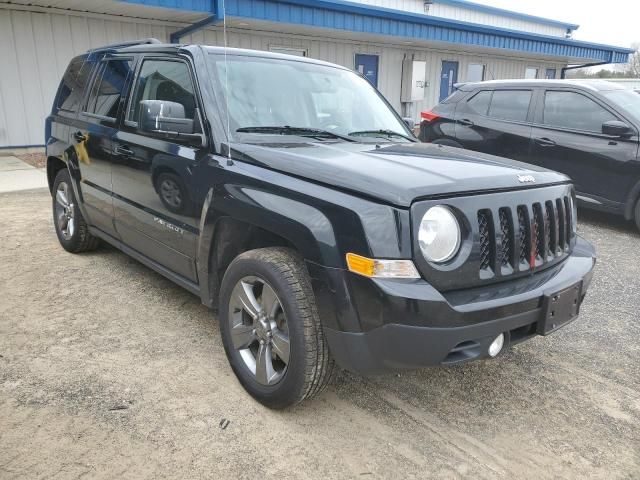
(496, 345)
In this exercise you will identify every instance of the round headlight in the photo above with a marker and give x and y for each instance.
(439, 234)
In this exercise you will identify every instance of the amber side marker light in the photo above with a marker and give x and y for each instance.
(371, 268)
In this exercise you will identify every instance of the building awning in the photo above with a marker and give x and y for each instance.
(367, 19)
(358, 20)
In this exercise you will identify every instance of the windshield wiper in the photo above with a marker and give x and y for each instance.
(382, 132)
(299, 131)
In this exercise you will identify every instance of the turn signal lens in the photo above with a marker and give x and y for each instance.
(381, 268)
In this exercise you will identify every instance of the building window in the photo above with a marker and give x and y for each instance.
(297, 52)
(531, 72)
(475, 72)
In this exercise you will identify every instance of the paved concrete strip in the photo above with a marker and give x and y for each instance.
(12, 163)
(17, 175)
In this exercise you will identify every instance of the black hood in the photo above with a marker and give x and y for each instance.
(396, 173)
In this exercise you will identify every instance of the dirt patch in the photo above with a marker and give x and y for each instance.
(107, 370)
(38, 160)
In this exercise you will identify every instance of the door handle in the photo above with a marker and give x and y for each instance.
(79, 137)
(545, 142)
(466, 122)
(124, 151)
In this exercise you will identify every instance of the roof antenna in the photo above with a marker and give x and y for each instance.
(226, 82)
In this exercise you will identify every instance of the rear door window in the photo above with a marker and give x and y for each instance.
(479, 103)
(510, 105)
(108, 87)
(575, 111)
(74, 83)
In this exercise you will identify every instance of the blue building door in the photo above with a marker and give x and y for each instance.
(448, 77)
(550, 73)
(367, 65)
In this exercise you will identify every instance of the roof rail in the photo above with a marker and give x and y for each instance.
(145, 41)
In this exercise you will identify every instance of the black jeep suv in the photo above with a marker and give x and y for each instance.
(586, 129)
(287, 194)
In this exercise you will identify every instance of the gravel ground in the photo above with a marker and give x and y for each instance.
(107, 370)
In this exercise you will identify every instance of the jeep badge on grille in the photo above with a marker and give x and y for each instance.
(526, 179)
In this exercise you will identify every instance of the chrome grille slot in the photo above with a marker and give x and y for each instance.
(562, 226)
(524, 237)
(537, 236)
(505, 253)
(487, 240)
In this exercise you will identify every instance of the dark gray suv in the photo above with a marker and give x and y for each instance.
(586, 129)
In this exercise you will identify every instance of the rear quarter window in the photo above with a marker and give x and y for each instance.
(73, 84)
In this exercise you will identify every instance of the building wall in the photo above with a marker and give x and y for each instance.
(38, 46)
(342, 52)
(469, 15)
(36, 49)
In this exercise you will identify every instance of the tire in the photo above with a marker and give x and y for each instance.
(637, 215)
(71, 228)
(173, 193)
(447, 143)
(309, 366)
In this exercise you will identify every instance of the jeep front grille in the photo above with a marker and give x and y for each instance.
(527, 236)
(505, 235)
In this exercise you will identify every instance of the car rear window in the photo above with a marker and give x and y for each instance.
(108, 87)
(74, 83)
(479, 103)
(510, 104)
(574, 110)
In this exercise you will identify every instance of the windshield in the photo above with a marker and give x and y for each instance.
(266, 92)
(626, 99)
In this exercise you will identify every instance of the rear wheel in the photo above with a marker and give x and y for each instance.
(271, 330)
(71, 229)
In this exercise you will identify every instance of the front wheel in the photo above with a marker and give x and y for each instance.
(271, 330)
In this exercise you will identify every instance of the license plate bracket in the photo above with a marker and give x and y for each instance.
(560, 308)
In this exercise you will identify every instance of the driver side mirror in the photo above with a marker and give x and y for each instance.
(165, 118)
(617, 128)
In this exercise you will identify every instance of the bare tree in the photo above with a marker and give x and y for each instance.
(634, 60)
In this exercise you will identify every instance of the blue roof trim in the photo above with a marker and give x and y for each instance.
(507, 13)
(357, 17)
(191, 5)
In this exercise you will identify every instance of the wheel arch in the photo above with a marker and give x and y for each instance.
(232, 224)
(54, 165)
(632, 200)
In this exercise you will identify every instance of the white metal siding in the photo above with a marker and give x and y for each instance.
(469, 15)
(38, 46)
(36, 49)
(390, 67)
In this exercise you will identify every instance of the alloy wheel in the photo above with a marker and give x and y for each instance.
(259, 330)
(65, 211)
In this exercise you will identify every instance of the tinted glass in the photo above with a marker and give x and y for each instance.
(164, 80)
(627, 100)
(573, 110)
(73, 84)
(278, 92)
(510, 104)
(479, 103)
(108, 88)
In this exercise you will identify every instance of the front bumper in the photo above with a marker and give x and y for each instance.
(378, 326)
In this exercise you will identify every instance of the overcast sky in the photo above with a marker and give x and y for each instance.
(613, 22)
